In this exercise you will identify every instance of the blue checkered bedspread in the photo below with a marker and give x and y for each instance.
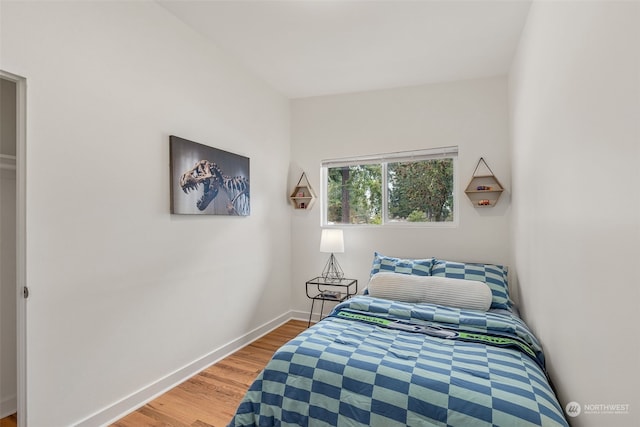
(343, 372)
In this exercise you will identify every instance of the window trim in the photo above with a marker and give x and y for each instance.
(383, 159)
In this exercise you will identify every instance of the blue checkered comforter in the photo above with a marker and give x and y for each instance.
(344, 372)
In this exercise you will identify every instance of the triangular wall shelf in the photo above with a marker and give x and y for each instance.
(303, 196)
(484, 190)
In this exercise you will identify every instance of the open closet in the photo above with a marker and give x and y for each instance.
(8, 276)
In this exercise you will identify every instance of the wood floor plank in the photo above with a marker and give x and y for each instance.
(210, 398)
(139, 419)
(10, 421)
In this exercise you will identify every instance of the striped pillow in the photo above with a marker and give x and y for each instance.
(458, 293)
(495, 276)
(417, 267)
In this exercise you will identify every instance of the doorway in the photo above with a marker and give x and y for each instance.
(13, 289)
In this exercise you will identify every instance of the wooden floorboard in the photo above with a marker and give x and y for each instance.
(10, 421)
(210, 398)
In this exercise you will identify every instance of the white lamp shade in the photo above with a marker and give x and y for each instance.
(332, 241)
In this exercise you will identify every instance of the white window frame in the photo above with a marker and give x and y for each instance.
(383, 159)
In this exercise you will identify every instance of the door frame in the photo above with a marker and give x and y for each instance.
(21, 242)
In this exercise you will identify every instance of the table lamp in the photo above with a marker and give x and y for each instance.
(332, 241)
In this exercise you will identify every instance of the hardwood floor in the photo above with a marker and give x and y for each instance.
(211, 397)
(10, 421)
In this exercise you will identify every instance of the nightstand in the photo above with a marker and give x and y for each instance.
(333, 290)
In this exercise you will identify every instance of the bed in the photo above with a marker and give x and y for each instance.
(431, 343)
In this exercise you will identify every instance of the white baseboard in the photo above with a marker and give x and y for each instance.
(8, 406)
(299, 315)
(121, 408)
(304, 316)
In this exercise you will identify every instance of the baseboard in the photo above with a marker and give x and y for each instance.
(8, 406)
(140, 398)
(304, 315)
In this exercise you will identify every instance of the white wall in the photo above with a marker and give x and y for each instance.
(8, 361)
(470, 114)
(575, 117)
(122, 292)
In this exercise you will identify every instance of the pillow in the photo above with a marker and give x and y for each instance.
(459, 293)
(418, 267)
(495, 276)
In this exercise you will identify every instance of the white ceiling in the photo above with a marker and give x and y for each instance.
(318, 47)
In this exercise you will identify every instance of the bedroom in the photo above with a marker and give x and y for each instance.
(116, 281)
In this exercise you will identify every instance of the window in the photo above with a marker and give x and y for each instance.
(416, 187)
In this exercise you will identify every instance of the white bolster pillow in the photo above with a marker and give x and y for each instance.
(458, 293)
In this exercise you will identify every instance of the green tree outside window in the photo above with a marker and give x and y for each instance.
(418, 190)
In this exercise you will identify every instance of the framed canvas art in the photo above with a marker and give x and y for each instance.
(207, 181)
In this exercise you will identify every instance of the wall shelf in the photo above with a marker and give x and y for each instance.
(484, 190)
(302, 196)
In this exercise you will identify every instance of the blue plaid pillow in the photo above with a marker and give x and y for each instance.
(417, 267)
(495, 276)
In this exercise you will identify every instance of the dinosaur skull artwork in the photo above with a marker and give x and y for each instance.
(198, 170)
(201, 173)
